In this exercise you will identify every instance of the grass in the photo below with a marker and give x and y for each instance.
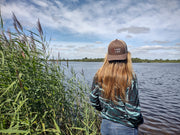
(36, 96)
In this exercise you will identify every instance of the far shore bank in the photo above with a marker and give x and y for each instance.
(134, 60)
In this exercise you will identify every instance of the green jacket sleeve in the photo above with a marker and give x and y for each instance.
(94, 96)
(132, 105)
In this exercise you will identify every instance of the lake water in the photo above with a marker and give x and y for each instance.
(159, 91)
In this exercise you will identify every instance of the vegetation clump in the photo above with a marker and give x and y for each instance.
(36, 96)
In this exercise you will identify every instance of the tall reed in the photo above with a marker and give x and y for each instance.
(36, 96)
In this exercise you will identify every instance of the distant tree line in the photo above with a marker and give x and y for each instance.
(134, 60)
(138, 60)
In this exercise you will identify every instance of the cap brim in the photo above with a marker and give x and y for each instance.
(116, 57)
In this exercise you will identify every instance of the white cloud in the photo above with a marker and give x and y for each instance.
(152, 21)
(99, 42)
(160, 42)
(158, 47)
(78, 50)
(93, 50)
(156, 52)
(40, 3)
(100, 17)
(128, 36)
(134, 30)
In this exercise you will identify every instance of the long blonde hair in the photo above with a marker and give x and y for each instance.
(115, 77)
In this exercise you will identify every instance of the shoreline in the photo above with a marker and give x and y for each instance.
(134, 60)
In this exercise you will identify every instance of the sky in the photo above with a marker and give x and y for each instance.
(84, 28)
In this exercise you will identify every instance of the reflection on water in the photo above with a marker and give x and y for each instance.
(159, 90)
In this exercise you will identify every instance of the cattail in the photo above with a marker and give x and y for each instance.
(39, 28)
(32, 42)
(17, 24)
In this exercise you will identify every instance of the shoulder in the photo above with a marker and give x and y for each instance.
(134, 83)
(134, 76)
(95, 82)
(95, 77)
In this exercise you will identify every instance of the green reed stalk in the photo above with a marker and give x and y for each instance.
(36, 96)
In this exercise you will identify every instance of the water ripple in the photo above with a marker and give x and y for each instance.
(160, 98)
(159, 90)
